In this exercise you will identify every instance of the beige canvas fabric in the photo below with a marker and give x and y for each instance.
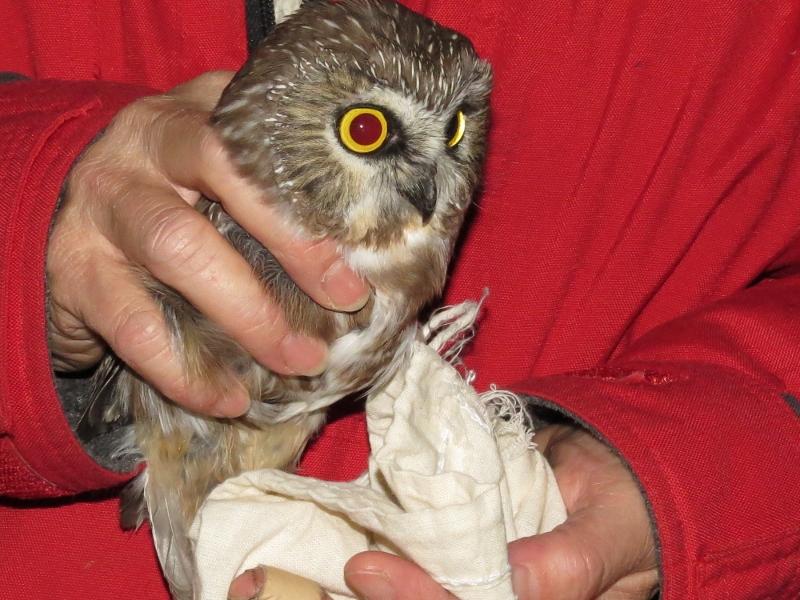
(453, 477)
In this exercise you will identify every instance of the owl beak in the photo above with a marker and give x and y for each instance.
(422, 196)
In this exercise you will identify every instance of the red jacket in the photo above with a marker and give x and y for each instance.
(639, 231)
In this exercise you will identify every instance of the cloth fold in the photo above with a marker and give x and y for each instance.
(453, 478)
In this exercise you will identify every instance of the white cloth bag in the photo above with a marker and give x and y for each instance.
(453, 477)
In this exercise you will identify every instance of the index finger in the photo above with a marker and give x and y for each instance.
(122, 312)
(194, 158)
(159, 231)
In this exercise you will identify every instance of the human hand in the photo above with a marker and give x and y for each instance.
(128, 207)
(605, 549)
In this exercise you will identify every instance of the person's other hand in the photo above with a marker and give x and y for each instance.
(128, 206)
(605, 549)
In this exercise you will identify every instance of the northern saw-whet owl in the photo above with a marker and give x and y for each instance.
(361, 121)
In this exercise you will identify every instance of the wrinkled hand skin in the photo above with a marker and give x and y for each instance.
(604, 550)
(128, 209)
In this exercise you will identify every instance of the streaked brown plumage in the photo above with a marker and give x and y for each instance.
(395, 212)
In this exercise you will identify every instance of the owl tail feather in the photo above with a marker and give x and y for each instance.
(170, 535)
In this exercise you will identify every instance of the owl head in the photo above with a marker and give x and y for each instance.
(366, 123)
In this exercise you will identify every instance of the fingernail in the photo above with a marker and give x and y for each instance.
(372, 585)
(345, 290)
(303, 355)
(248, 585)
(521, 581)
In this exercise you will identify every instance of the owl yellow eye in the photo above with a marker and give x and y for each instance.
(363, 129)
(455, 129)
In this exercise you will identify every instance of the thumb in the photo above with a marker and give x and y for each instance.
(578, 560)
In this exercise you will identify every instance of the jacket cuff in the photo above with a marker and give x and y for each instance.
(44, 125)
(722, 491)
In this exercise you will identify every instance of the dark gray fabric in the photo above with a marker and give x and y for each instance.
(260, 17)
(9, 76)
(793, 403)
(73, 390)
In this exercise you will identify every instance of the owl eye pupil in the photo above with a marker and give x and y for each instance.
(363, 129)
(366, 129)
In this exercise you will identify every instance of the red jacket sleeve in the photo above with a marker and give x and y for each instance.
(653, 179)
(43, 127)
(700, 409)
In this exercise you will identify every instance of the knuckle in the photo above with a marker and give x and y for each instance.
(137, 121)
(138, 331)
(174, 237)
(101, 173)
(95, 182)
(173, 121)
(107, 167)
(157, 120)
(261, 321)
